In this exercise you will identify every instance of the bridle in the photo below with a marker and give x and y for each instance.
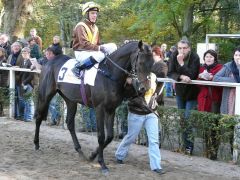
(132, 74)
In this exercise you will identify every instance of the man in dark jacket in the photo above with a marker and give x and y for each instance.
(184, 66)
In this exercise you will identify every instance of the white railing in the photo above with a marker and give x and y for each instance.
(211, 83)
(12, 84)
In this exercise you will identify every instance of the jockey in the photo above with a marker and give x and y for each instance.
(86, 41)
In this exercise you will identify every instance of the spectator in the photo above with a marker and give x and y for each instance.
(54, 109)
(26, 86)
(158, 59)
(16, 59)
(3, 79)
(184, 66)
(4, 43)
(209, 94)
(57, 48)
(35, 50)
(168, 85)
(38, 40)
(164, 50)
(170, 52)
(209, 99)
(141, 113)
(3, 73)
(89, 118)
(229, 73)
(2, 56)
(157, 53)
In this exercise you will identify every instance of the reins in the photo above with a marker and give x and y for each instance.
(120, 68)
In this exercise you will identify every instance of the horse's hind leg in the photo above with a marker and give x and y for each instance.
(40, 114)
(36, 137)
(71, 112)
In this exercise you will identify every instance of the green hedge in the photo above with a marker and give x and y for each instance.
(210, 131)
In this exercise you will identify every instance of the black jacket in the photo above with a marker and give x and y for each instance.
(191, 69)
(26, 77)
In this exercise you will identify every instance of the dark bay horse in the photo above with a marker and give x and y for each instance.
(131, 59)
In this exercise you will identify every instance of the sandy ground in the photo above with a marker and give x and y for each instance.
(57, 158)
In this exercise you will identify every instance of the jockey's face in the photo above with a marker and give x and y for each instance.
(93, 16)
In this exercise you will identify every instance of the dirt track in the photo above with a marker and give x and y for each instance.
(57, 158)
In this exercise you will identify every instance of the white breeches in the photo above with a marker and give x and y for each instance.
(97, 55)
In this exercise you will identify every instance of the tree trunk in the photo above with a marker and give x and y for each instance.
(188, 21)
(16, 14)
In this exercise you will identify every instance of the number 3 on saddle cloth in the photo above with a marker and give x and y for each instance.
(66, 75)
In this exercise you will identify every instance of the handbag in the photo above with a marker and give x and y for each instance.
(215, 106)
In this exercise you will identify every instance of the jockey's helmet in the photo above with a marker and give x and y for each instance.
(89, 6)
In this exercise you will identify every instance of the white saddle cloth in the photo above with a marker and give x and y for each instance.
(66, 75)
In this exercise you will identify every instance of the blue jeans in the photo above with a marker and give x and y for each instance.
(187, 106)
(19, 104)
(89, 117)
(28, 103)
(169, 89)
(135, 124)
(54, 109)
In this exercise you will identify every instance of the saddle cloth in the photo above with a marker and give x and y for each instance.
(66, 75)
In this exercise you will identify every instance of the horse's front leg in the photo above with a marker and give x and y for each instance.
(109, 125)
(101, 138)
(71, 112)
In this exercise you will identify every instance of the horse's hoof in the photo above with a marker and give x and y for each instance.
(81, 155)
(37, 147)
(105, 171)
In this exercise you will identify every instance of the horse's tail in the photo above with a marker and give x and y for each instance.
(46, 90)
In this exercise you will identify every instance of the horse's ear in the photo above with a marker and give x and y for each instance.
(140, 45)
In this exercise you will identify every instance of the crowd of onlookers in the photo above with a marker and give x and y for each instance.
(19, 54)
(184, 65)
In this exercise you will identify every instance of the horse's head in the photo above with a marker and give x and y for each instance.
(141, 62)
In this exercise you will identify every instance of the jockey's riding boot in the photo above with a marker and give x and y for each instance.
(85, 64)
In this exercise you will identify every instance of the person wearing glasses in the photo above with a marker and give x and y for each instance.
(184, 66)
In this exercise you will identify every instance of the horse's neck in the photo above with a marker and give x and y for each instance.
(122, 55)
